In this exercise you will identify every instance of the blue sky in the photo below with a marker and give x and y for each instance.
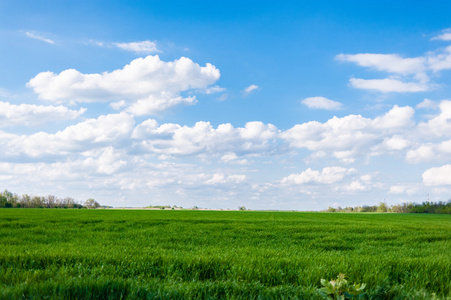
(300, 105)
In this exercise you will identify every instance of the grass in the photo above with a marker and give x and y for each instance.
(129, 254)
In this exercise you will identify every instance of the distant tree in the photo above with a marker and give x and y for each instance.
(3, 201)
(331, 209)
(37, 202)
(241, 207)
(91, 203)
(382, 207)
(51, 201)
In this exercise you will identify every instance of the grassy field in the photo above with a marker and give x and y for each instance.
(128, 254)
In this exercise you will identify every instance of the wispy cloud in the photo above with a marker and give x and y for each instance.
(445, 36)
(39, 37)
(214, 89)
(388, 85)
(139, 47)
(405, 74)
(321, 103)
(250, 89)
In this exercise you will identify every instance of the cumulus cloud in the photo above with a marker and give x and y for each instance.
(440, 125)
(437, 176)
(327, 176)
(155, 104)
(148, 84)
(203, 138)
(395, 118)
(233, 158)
(39, 37)
(146, 47)
(29, 114)
(321, 103)
(352, 134)
(429, 151)
(107, 129)
(355, 186)
(403, 189)
(108, 161)
(220, 178)
(343, 138)
(396, 142)
(111, 151)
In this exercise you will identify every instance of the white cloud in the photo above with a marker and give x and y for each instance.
(96, 43)
(108, 162)
(38, 37)
(407, 75)
(429, 152)
(439, 125)
(233, 158)
(352, 134)
(28, 114)
(321, 103)
(343, 138)
(426, 103)
(223, 97)
(108, 129)
(118, 105)
(355, 186)
(367, 178)
(403, 189)
(445, 36)
(420, 154)
(440, 59)
(111, 153)
(345, 156)
(397, 117)
(148, 84)
(214, 89)
(391, 63)
(327, 176)
(146, 47)
(220, 178)
(437, 176)
(47, 172)
(396, 142)
(5, 93)
(250, 89)
(155, 104)
(388, 85)
(202, 138)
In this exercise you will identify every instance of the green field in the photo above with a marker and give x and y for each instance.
(152, 254)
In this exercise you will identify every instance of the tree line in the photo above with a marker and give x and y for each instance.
(10, 200)
(427, 207)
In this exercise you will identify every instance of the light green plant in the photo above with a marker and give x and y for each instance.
(340, 289)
